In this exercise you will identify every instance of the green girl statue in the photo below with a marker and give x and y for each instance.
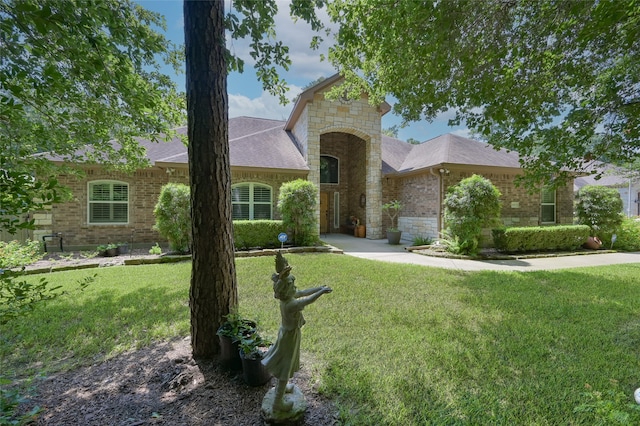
(283, 358)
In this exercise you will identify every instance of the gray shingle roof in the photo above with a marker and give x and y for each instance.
(264, 143)
(253, 142)
(444, 149)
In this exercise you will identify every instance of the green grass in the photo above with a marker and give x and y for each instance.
(393, 344)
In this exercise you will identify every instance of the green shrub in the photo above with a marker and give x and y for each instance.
(600, 208)
(256, 233)
(523, 239)
(420, 240)
(173, 216)
(297, 203)
(627, 235)
(470, 205)
(16, 255)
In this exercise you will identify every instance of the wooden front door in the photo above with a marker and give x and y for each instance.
(324, 212)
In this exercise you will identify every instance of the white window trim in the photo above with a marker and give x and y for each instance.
(554, 204)
(89, 202)
(338, 161)
(251, 203)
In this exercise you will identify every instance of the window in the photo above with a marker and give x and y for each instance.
(329, 169)
(548, 206)
(251, 201)
(108, 202)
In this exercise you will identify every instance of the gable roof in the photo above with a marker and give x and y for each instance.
(307, 96)
(445, 149)
(253, 142)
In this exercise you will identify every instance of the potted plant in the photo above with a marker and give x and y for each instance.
(392, 208)
(108, 250)
(229, 334)
(123, 248)
(252, 349)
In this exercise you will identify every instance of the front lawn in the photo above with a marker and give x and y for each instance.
(393, 344)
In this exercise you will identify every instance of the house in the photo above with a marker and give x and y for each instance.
(627, 187)
(337, 145)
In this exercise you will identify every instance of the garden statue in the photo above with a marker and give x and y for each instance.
(285, 402)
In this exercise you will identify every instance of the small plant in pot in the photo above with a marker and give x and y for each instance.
(230, 333)
(252, 349)
(108, 250)
(392, 208)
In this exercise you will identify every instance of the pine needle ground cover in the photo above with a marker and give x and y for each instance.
(393, 344)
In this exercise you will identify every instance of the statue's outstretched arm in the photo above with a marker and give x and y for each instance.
(310, 296)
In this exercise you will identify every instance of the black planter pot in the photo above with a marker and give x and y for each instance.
(229, 355)
(229, 347)
(394, 237)
(253, 372)
(111, 252)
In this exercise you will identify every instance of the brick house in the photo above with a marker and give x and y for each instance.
(337, 145)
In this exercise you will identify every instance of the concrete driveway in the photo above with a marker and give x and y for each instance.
(381, 250)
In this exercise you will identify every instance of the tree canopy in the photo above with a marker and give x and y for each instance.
(556, 81)
(77, 74)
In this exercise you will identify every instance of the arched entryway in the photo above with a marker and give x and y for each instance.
(343, 181)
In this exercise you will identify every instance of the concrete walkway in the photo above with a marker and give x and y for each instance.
(381, 250)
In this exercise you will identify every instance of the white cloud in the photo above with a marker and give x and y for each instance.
(265, 106)
(306, 65)
(465, 133)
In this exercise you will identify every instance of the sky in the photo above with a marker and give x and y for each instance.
(246, 96)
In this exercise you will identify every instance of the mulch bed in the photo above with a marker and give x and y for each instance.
(162, 385)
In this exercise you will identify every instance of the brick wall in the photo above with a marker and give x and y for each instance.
(419, 195)
(273, 179)
(350, 151)
(71, 218)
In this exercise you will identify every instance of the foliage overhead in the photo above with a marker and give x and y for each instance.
(556, 81)
(78, 74)
(255, 20)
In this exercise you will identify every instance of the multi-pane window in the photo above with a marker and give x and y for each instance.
(251, 201)
(108, 202)
(329, 169)
(548, 206)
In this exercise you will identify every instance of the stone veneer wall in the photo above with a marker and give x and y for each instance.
(71, 220)
(358, 118)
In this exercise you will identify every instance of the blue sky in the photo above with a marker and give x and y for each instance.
(246, 97)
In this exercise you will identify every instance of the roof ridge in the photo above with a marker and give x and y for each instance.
(256, 133)
(447, 146)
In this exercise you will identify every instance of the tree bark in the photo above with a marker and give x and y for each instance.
(213, 290)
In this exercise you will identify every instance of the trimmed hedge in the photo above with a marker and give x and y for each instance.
(257, 233)
(565, 237)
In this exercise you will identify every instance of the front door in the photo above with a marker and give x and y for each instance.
(324, 212)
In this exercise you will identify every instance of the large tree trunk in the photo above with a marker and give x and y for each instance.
(213, 278)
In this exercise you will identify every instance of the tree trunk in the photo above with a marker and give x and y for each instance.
(213, 278)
